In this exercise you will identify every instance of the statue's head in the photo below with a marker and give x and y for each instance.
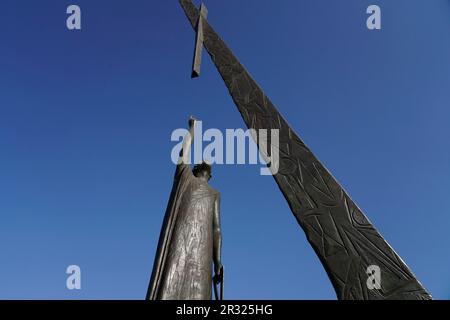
(202, 171)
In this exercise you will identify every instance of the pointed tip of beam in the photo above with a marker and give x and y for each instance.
(203, 10)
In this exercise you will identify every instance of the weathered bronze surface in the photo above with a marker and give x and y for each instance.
(190, 239)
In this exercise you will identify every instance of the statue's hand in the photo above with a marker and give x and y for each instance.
(218, 273)
(192, 122)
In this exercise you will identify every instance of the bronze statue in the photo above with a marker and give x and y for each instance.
(346, 242)
(190, 239)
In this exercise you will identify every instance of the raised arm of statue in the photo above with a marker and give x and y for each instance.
(187, 143)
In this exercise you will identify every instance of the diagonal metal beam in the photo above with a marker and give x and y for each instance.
(343, 238)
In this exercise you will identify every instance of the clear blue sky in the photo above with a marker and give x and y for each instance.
(86, 118)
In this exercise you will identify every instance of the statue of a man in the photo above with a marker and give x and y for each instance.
(190, 239)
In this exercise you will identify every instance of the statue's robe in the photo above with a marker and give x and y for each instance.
(183, 264)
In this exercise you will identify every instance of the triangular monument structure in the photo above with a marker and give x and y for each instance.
(346, 242)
